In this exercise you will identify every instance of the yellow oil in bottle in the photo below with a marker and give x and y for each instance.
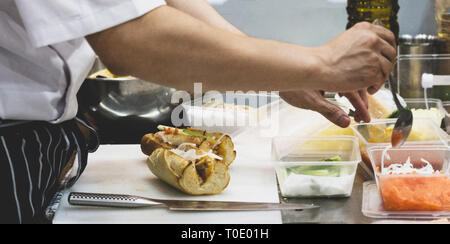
(370, 10)
(443, 17)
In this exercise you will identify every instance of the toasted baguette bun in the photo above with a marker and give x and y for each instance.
(201, 175)
(224, 148)
(151, 142)
(206, 176)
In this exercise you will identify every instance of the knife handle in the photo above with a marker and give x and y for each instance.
(110, 200)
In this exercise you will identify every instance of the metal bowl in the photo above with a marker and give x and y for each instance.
(122, 110)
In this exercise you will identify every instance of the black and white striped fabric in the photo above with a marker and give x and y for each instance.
(32, 158)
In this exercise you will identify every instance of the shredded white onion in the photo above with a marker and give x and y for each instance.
(218, 140)
(191, 154)
(408, 168)
(385, 155)
(163, 137)
(183, 146)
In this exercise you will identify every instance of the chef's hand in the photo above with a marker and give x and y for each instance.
(360, 58)
(315, 100)
(360, 102)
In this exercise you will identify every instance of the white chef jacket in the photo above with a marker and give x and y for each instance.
(40, 37)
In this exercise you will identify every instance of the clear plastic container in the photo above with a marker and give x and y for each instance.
(416, 190)
(373, 207)
(230, 113)
(316, 166)
(378, 133)
(430, 108)
(411, 67)
(446, 105)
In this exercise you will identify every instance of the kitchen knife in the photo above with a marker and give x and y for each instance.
(129, 201)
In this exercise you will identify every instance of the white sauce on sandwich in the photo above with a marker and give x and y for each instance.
(163, 137)
(191, 154)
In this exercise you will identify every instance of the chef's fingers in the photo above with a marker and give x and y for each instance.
(386, 35)
(363, 95)
(386, 68)
(332, 112)
(387, 51)
(373, 89)
(361, 109)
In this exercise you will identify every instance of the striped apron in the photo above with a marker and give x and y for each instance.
(33, 159)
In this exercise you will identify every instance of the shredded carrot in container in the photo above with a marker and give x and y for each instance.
(419, 193)
(406, 188)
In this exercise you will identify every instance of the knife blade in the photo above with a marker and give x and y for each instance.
(130, 201)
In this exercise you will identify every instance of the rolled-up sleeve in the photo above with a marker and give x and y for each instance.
(49, 22)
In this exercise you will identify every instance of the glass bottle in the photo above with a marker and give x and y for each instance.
(370, 10)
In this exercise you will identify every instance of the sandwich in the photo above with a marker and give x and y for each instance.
(193, 161)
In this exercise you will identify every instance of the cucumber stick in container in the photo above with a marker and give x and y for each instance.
(318, 170)
(318, 180)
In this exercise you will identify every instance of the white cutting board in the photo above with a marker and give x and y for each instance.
(121, 169)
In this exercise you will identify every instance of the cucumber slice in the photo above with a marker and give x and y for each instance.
(330, 171)
(333, 159)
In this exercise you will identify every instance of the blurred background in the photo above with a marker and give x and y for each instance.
(314, 22)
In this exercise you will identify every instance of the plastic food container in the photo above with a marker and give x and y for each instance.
(424, 132)
(230, 113)
(432, 109)
(373, 207)
(446, 105)
(316, 166)
(411, 67)
(413, 191)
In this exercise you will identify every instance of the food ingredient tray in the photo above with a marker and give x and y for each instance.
(378, 133)
(230, 113)
(372, 207)
(430, 108)
(413, 178)
(316, 166)
(446, 105)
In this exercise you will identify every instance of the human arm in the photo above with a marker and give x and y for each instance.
(203, 11)
(170, 47)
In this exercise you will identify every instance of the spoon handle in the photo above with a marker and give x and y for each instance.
(390, 78)
(397, 102)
